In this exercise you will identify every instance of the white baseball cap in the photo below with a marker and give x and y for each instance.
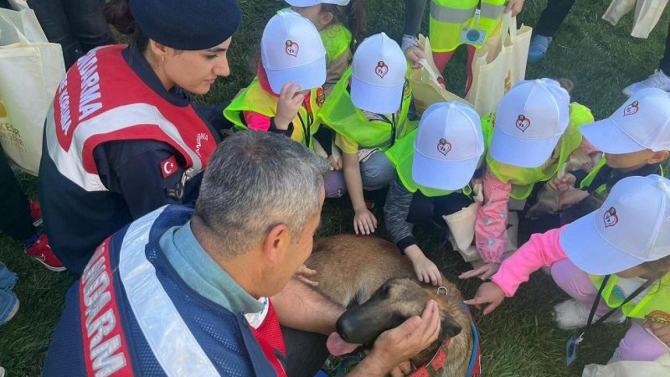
(292, 50)
(643, 122)
(378, 75)
(630, 228)
(530, 119)
(309, 3)
(448, 146)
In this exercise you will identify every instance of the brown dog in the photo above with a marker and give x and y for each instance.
(379, 288)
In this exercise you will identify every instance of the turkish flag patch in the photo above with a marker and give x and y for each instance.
(169, 166)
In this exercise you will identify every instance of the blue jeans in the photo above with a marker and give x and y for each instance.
(7, 278)
(376, 172)
(77, 25)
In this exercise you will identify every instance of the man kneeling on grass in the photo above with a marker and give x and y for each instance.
(185, 293)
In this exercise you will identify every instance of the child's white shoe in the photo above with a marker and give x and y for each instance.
(658, 80)
(572, 314)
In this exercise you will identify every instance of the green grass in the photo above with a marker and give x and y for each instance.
(519, 339)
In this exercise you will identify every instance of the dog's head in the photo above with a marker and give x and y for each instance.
(393, 303)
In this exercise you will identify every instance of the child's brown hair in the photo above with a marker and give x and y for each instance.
(352, 16)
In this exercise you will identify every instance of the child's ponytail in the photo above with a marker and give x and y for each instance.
(352, 16)
(356, 22)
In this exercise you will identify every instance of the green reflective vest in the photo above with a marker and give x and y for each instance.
(336, 39)
(601, 190)
(340, 114)
(448, 18)
(254, 98)
(523, 179)
(655, 306)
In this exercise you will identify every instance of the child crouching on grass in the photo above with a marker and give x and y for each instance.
(614, 262)
(434, 166)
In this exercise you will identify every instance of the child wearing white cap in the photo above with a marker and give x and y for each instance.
(340, 23)
(635, 139)
(434, 165)
(536, 129)
(614, 262)
(368, 110)
(286, 95)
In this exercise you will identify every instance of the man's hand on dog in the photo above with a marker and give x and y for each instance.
(488, 293)
(395, 346)
(426, 270)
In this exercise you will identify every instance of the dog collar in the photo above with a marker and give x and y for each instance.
(435, 364)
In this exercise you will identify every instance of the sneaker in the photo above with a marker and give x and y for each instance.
(657, 80)
(9, 305)
(41, 251)
(572, 314)
(2, 372)
(539, 45)
(35, 212)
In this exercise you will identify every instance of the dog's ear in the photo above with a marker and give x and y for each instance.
(448, 326)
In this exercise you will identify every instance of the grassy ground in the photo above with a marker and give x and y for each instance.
(519, 339)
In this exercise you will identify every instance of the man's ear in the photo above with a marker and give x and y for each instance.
(658, 157)
(277, 243)
(325, 18)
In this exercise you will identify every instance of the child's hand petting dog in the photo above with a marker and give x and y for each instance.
(488, 293)
(426, 270)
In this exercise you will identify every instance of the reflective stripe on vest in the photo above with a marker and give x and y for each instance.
(136, 113)
(340, 114)
(448, 18)
(523, 179)
(655, 306)
(258, 100)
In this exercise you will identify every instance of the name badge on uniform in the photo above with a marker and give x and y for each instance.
(473, 37)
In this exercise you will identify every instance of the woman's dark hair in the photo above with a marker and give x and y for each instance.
(352, 16)
(117, 13)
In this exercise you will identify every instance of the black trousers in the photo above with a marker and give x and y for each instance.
(426, 210)
(77, 25)
(15, 220)
(664, 65)
(306, 352)
(552, 17)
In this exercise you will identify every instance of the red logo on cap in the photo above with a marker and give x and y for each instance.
(610, 217)
(381, 69)
(443, 146)
(631, 109)
(169, 166)
(522, 123)
(292, 48)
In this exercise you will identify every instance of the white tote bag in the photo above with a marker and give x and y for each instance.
(498, 65)
(30, 71)
(647, 14)
(426, 88)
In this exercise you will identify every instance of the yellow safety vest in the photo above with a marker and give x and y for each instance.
(340, 114)
(523, 179)
(602, 189)
(336, 39)
(448, 18)
(401, 156)
(655, 306)
(256, 99)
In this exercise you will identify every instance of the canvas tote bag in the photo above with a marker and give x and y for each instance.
(647, 14)
(30, 71)
(426, 88)
(498, 65)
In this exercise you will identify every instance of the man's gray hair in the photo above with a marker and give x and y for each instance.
(254, 181)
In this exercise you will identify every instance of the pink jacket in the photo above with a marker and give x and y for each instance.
(491, 223)
(541, 250)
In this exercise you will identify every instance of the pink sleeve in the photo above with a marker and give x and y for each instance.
(541, 250)
(491, 223)
(256, 121)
